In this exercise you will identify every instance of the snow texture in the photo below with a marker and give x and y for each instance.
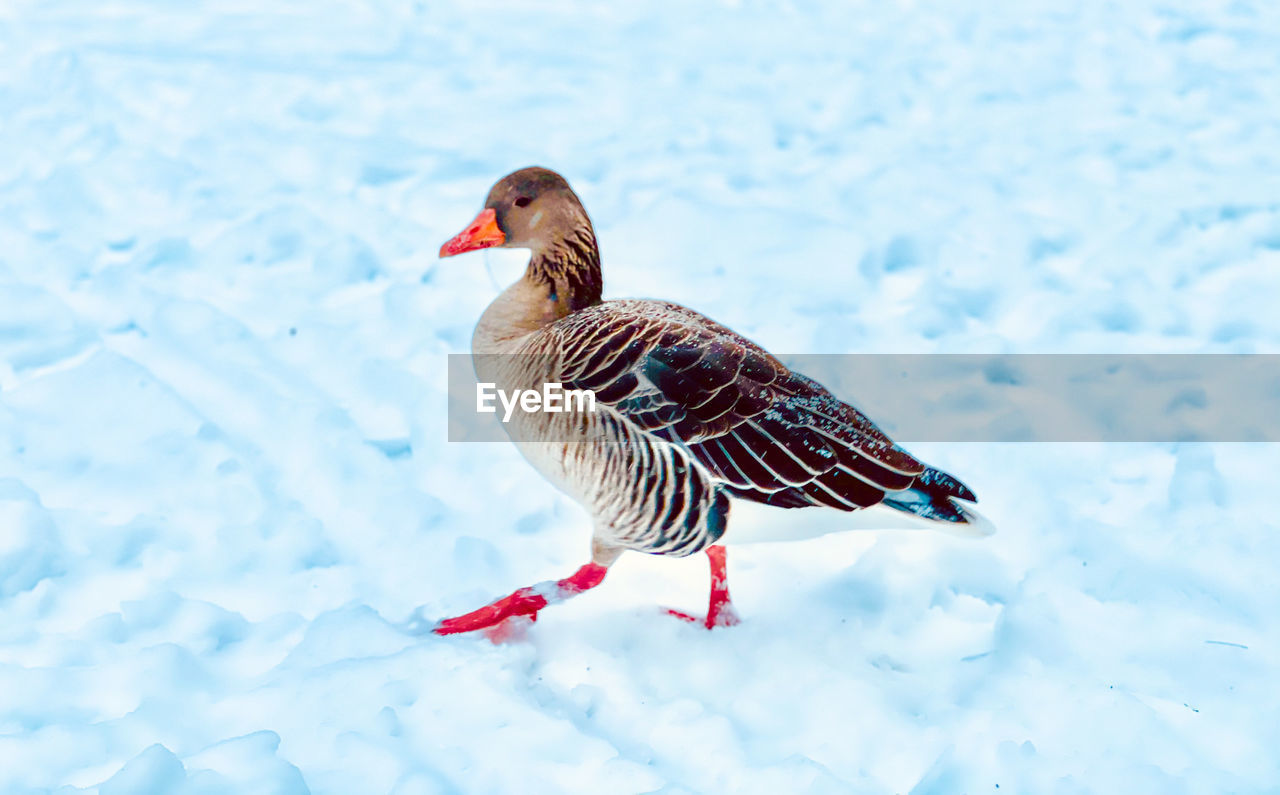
(227, 508)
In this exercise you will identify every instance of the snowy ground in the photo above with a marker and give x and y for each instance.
(224, 486)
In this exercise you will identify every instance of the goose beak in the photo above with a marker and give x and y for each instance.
(480, 233)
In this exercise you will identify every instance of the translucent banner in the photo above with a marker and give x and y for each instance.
(963, 397)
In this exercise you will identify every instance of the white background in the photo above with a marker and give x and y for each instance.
(224, 486)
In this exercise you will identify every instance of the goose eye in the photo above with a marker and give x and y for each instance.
(523, 201)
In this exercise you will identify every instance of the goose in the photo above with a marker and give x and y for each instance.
(688, 417)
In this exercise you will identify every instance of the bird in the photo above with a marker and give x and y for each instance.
(688, 416)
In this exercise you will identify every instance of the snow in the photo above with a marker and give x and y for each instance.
(227, 506)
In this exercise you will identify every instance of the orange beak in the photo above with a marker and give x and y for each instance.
(481, 233)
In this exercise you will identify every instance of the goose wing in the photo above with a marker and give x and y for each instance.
(770, 434)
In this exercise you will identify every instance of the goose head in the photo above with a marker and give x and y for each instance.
(532, 208)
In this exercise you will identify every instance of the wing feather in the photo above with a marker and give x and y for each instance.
(769, 434)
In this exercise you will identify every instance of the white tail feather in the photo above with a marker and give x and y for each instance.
(751, 522)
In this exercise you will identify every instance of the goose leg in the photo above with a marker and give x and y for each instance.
(720, 612)
(525, 602)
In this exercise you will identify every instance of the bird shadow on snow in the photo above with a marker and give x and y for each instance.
(901, 578)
